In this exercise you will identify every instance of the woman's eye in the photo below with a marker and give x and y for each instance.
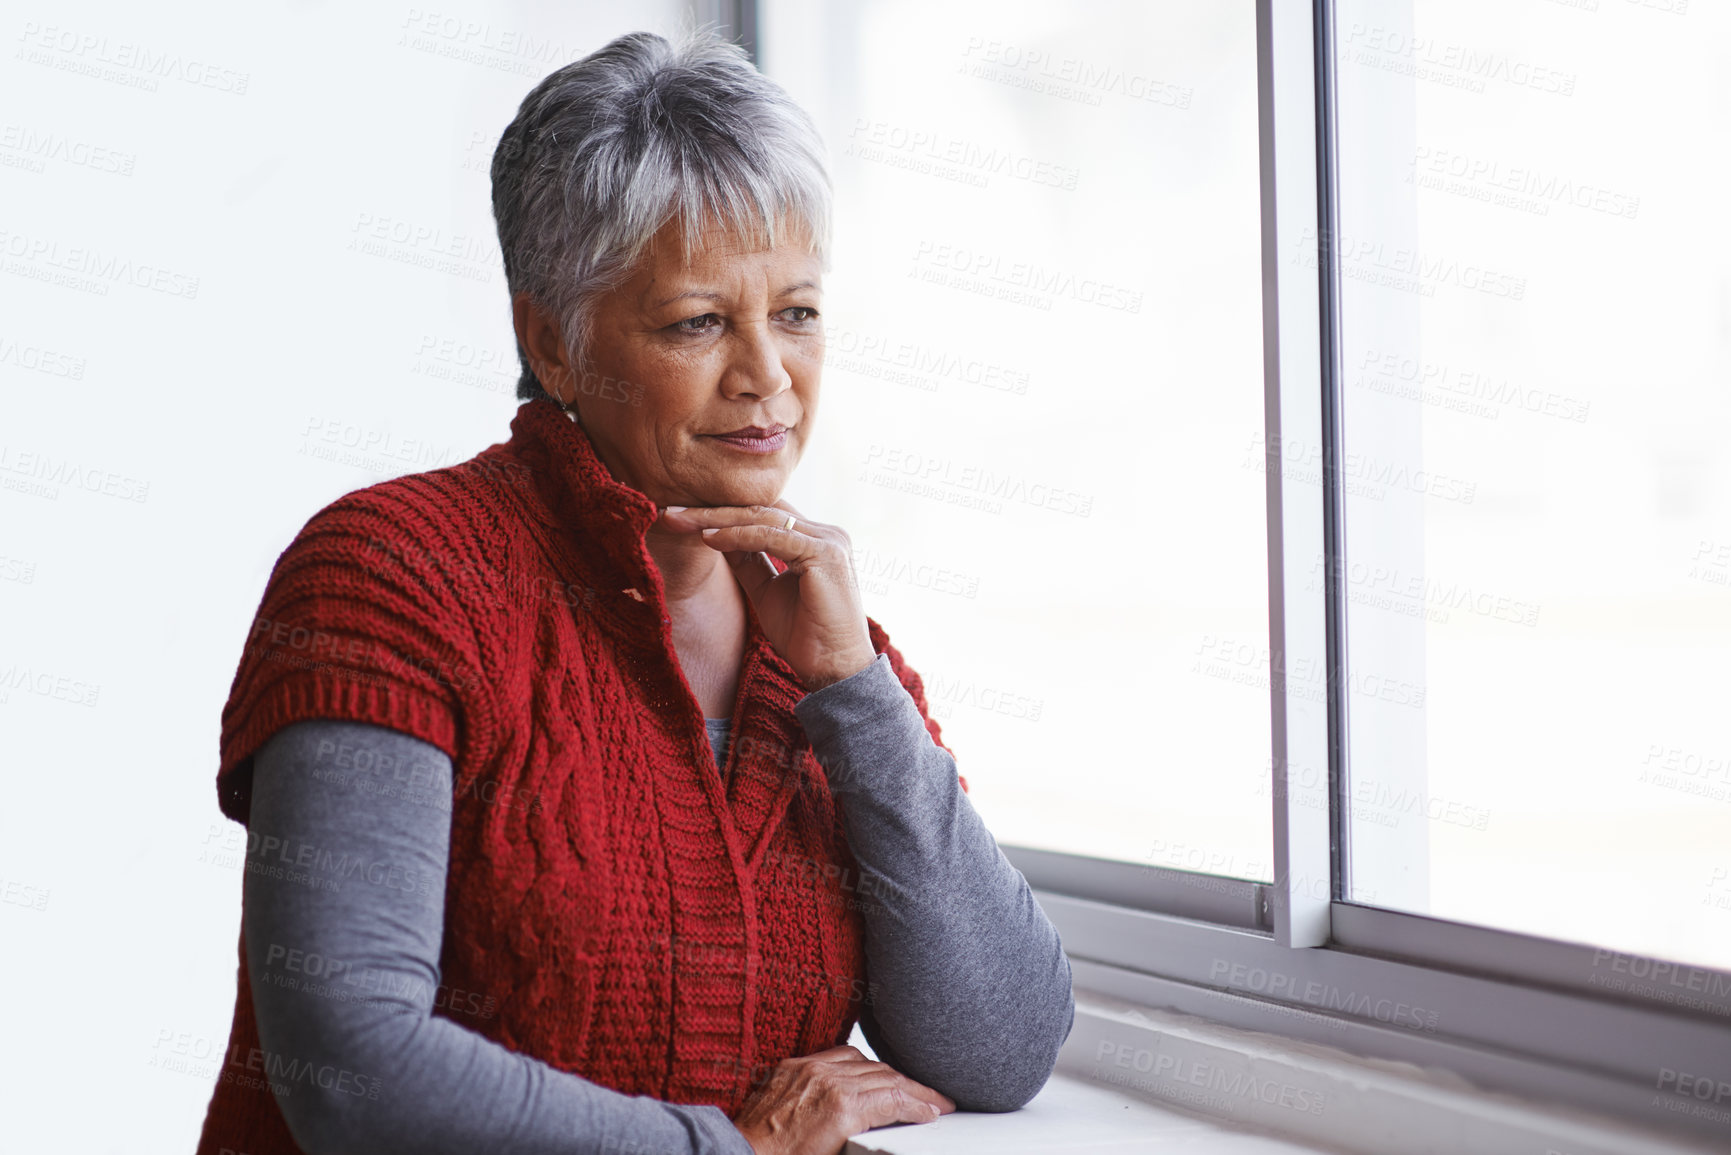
(696, 324)
(802, 313)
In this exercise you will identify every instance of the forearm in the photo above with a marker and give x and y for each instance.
(972, 986)
(428, 1084)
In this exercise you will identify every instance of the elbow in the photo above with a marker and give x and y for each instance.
(1027, 1062)
(1008, 1088)
(341, 1103)
(1001, 1097)
(1019, 1086)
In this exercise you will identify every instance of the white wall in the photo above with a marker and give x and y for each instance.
(194, 311)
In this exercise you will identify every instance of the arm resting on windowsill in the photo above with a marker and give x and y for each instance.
(972, 988)
(365, 1006)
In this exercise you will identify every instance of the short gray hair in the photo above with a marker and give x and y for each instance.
(610, 148)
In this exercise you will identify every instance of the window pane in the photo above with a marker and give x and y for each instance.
(1043, 400)
(1537, 349)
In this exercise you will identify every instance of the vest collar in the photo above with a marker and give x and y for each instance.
(579, 494)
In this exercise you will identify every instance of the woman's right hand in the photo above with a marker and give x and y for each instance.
(812, 1105)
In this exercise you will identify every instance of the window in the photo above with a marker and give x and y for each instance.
(1535, 346)
(1043, 402)
(1493, 344)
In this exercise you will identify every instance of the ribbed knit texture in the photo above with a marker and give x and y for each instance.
(634, 917)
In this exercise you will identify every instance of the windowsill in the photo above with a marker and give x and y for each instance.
(1132, 1078)
(1072, 1114)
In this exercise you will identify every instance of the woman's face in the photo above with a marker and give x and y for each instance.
(731, 340)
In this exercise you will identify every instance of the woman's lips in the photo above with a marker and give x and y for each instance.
(750, 444)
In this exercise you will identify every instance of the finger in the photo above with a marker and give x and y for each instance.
(707, 515)
(925, 1094)
(809, 526)
(790, 545)
(895, 1103)
(751, 569)
(687, 520)
(869, 1074)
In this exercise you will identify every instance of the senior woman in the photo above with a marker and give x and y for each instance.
(587, 810)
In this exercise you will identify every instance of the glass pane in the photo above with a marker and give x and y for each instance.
(1043, 405)
(1537, 348)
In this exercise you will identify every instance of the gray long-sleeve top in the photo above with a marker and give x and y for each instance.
(970, 988)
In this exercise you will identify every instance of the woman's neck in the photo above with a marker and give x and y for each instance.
(690, 569)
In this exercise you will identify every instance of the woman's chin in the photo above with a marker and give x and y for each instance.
(749, 495)
(745, 487)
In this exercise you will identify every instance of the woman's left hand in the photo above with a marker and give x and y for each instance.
(811, 611)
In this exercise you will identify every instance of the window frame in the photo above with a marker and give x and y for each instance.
(1512, 1012)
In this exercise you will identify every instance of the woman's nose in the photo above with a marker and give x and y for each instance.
(755, 363)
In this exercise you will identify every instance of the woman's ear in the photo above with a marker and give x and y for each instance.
(539, 337)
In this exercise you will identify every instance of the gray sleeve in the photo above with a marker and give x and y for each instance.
(972, 988)
(344, 966)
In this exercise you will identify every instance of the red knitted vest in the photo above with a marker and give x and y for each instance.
(613, 906)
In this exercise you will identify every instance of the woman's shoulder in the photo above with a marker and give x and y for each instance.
(387, 608)
(444, 533)
(461, 500)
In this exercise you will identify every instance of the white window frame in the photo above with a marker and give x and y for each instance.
(1511, 1012)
